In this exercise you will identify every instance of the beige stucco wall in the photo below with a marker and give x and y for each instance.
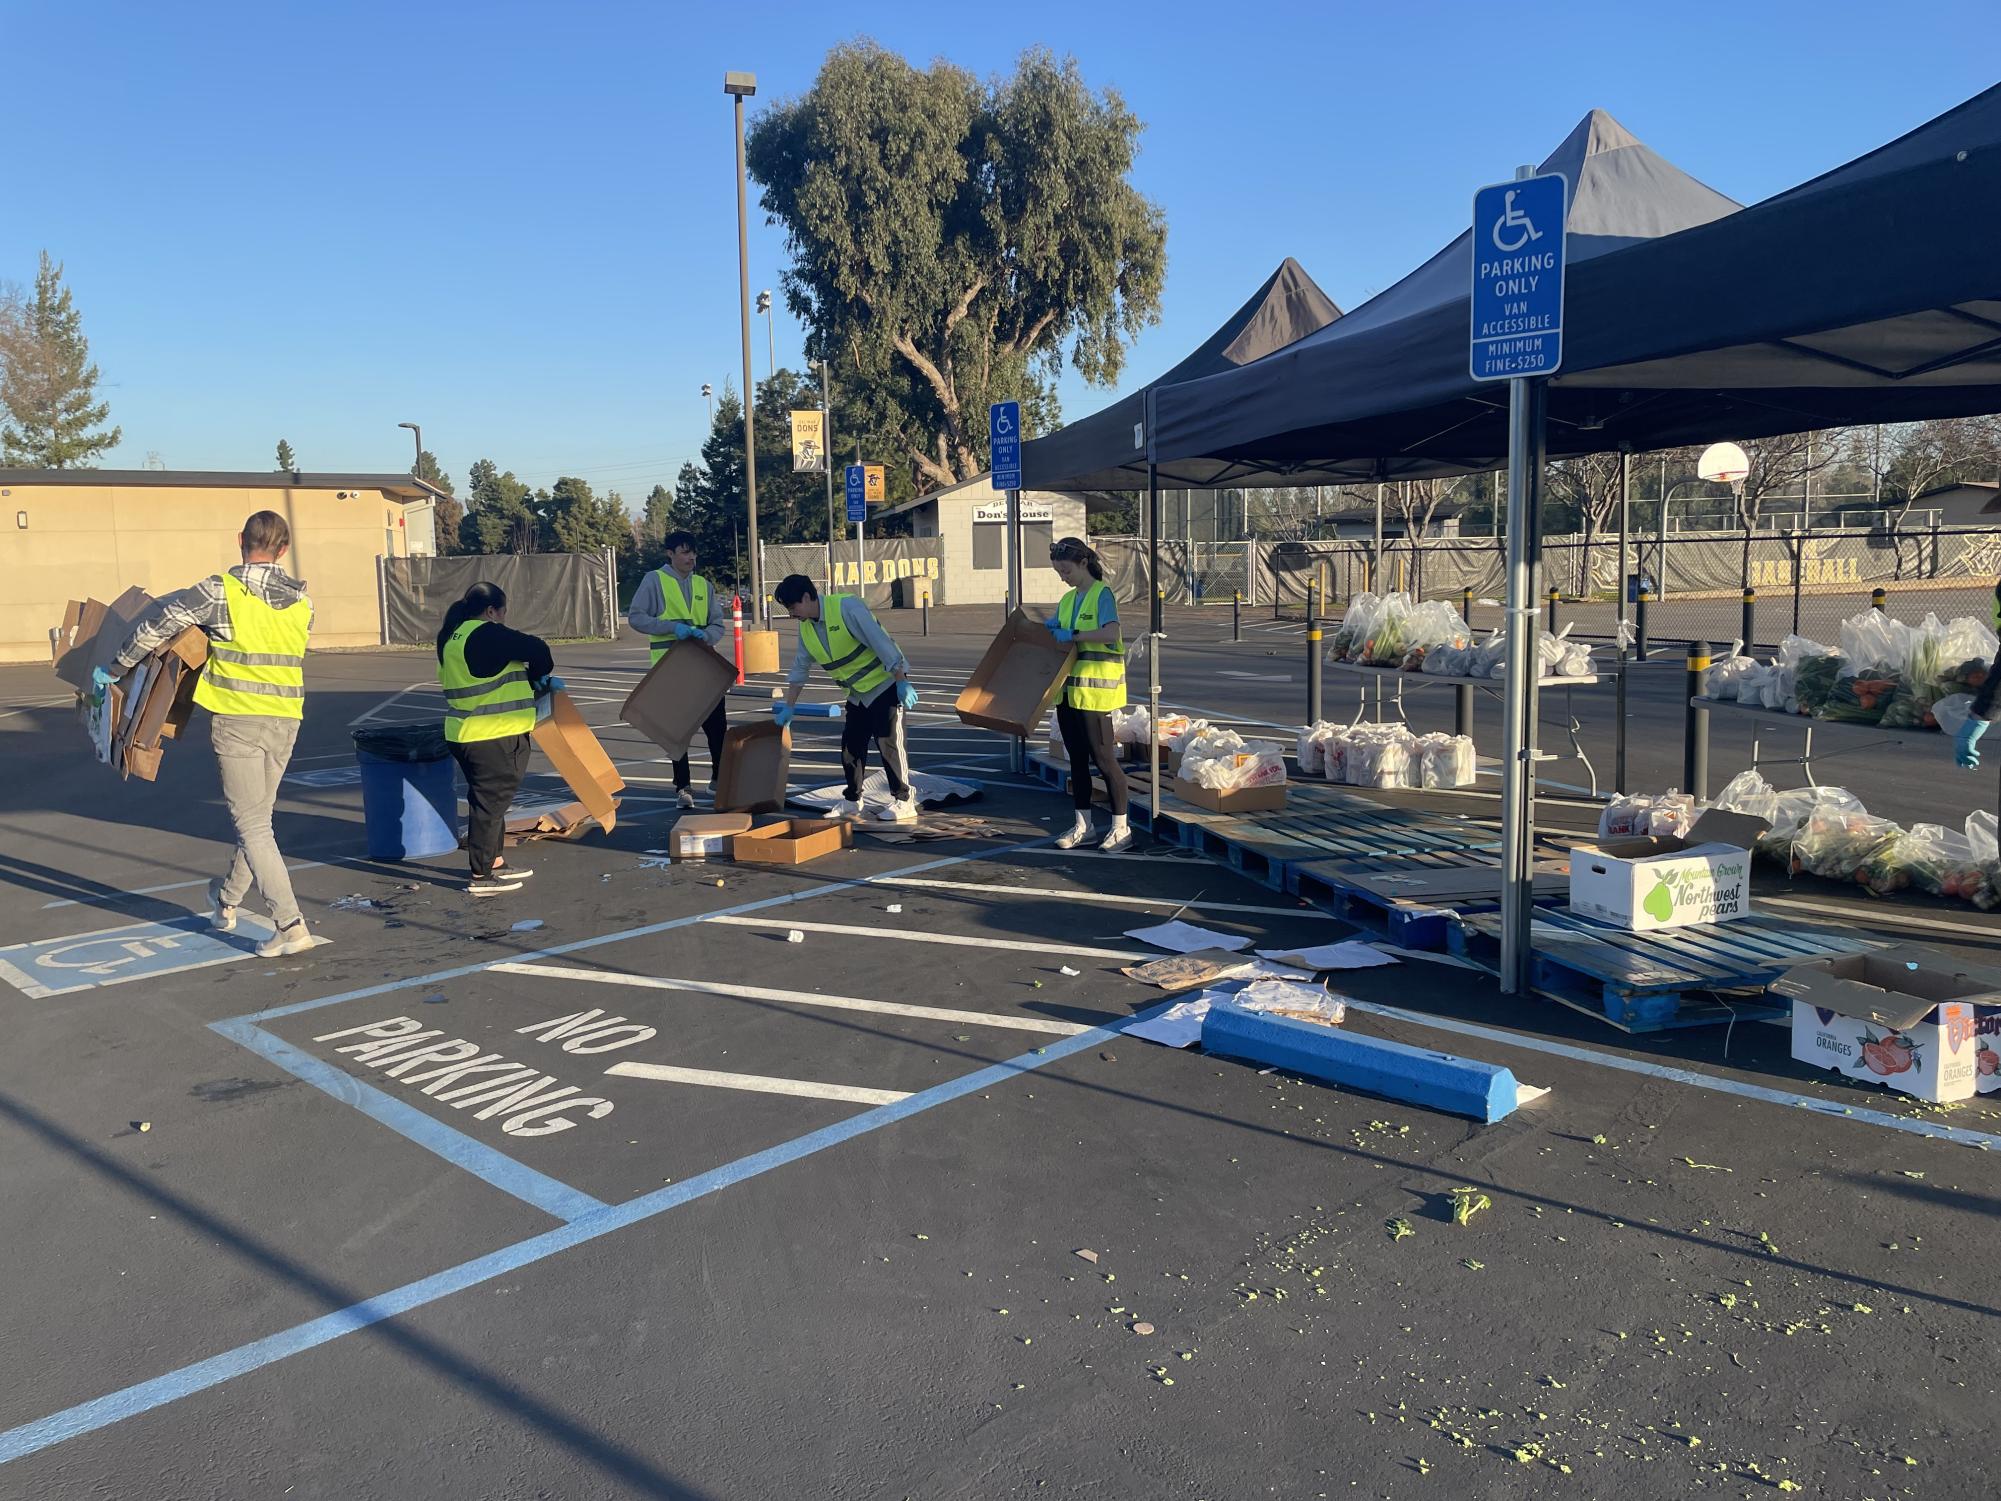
(85, 541)
(963, 584)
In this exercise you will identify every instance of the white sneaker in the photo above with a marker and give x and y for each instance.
(1120, 838)
(222, 917)
(845, 808)
(898, 812)
(685, 798)
(512, 873)
(1079, 832)
(292, 940)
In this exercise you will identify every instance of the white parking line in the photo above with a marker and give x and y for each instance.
(1116, 901)
(891, 934)
(759, 1083)
(800, 998)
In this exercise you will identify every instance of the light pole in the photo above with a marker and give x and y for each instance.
(417, 433)
(770, 338)
(709, 396)
(827, 458)
(740, 86)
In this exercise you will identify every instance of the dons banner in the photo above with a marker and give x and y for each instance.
(809, 442)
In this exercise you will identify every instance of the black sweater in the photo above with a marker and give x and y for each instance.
(493, 646)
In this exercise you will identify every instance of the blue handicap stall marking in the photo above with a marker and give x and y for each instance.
(327, 776)
(137, 951)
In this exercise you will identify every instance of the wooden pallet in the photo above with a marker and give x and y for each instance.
(1649, 982)
(1415, 900)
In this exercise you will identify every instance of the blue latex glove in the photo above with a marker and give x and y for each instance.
(782, 713)
(687, 631)
(100, 680)
(1054, 623)
(906, 695)
(550, 684)
(1966, 748)
(1063, 636)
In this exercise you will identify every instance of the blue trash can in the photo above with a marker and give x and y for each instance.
(409, 801)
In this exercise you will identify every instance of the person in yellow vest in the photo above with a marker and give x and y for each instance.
(257, 619)
(672, 604)
(843, 636)
(490, 676)
(1089, 616)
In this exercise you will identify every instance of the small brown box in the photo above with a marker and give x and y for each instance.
(706, 836)
(1235, 800)
(1018, 680)
(793, 841)
(756, 769)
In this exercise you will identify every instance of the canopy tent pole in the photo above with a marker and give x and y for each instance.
(1154, 624)
(1625, 608)
(1518, 768)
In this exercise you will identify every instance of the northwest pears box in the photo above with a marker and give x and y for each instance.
(1907, 1018)
(1645, 884)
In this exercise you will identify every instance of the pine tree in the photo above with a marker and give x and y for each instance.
(49, 413)
(287, 460)
(448, 515)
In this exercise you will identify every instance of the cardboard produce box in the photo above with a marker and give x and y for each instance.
(562, 736)
(1018, 680)
(682, 689)
(1233, 800)
(793, 841)
(569, 821)
(1661, 881)
(706, 836)
(756, 769)
(1908, 1018)
(151, 701)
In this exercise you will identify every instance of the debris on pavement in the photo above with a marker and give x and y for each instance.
(1467, 1202)
(1186, 938)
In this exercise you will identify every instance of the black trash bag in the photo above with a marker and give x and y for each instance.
(403, 742)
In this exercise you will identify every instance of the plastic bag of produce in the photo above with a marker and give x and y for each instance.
(1776, 690)
(1874, 645)
(1384, 762)
(1791, 811)
(1945, 863)
(1310, 750)
(1334, 756)
(1488, 657)
(1354, 621)
(1860, 699)
(1980, 832)
(1813, 681)
(1205, 745)
(1449, 661)
(1389, 632)
(1177, 730)
(1625, 816)
(1672, 815)
(1575, 661)
(1730, 669)
(1840, 846)
(1754, 685)
(1445, 761)
(1748, 792)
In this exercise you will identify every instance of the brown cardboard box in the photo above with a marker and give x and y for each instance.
(706, 836)
(570, 821)
(673, 699)
(1235, 800)
(760, 652)
(792, 841)
(756, 769)
(562, 736)
(1018, 680)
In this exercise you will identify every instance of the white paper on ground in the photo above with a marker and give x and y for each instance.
(926, 788)
(1350, 953)
(1179, 1026)
(1428, 957)
(1524, 1093)
(1186, 938)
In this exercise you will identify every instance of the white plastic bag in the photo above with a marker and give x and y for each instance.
(1748, 792)
(1445, 761)
(1345, 645)
(1952, 712)
(1624, 816)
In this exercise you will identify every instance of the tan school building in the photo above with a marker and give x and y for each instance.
(92, 533)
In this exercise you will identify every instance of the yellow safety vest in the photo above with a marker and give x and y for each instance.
(1098, 676)
(830, 643)
(692, 606)
(479, 708)
(261, 668)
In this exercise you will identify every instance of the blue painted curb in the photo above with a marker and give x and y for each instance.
(1437, 1081)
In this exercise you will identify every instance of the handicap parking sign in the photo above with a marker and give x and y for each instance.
(1517, 261)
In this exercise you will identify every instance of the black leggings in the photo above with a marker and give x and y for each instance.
(493, 772)
(1087, 738)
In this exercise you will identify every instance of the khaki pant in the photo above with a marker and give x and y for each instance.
(252, 751)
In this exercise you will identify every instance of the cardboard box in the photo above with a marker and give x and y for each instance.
(562, 736)
(1646, 884)
(682, 689)
(570, 821)
(1018, 680)
(793, 841)
(760, 652)
(756, 769)
(1235, 800)
(1907, 1018)
(706, 836)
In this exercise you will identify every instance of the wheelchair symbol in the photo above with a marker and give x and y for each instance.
(1003, 424)
(1516, 219)
(105, 956)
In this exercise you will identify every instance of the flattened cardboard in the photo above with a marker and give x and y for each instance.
(682, 689)
(756, 769)
(562, 736)
(793, 841)
(706, 836)
(1018, 680)
(1232, 800)
(570, 821)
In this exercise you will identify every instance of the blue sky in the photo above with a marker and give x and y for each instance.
(515, 224)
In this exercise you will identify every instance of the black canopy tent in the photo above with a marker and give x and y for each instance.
(1872, 293)
(1107, 450)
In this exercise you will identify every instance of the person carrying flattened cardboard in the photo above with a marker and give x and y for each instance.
(1088, 617)
(675, 603)
(841, 634)
(257, 618)
(490, 676)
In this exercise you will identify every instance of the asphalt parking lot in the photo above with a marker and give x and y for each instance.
(647, 1199)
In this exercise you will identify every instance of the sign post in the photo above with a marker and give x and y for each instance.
(857, 482)
(1004, 451)
(1517, 336)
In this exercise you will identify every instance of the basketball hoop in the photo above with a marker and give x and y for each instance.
(1723, 464)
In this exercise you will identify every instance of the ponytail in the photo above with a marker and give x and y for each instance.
(1076, 550)
(480, 598)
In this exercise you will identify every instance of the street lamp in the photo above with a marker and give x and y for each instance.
(770, 338)
(709, 396)
(740, 86)
(417, 433)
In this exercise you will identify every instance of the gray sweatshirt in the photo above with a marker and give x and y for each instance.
(648, 601)
(866, 630)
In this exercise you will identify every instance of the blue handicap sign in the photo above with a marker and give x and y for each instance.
(1517, 259)
(1004, 442)
(136, 951)
(857, 493)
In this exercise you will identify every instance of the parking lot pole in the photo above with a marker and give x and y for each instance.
(1619, 723)
(1466, 604)
(1552, 609)
(1695, 729)
(1462, 713)
(1312, 654)
(1640, 625)
(1526, 414)
(1750, 619)
(1876, 598)
(1237, 615)
(1017, 750)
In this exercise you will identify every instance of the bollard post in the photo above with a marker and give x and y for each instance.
(1552, 609)
(1466, 604)
(1750, 619)
(1462, 713)
(1312, 653)
(1876, 598)
(1619, 723)
(1695, 732)
(1640, 625)
(1237, 615)
(736, 629)
(924, 604)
